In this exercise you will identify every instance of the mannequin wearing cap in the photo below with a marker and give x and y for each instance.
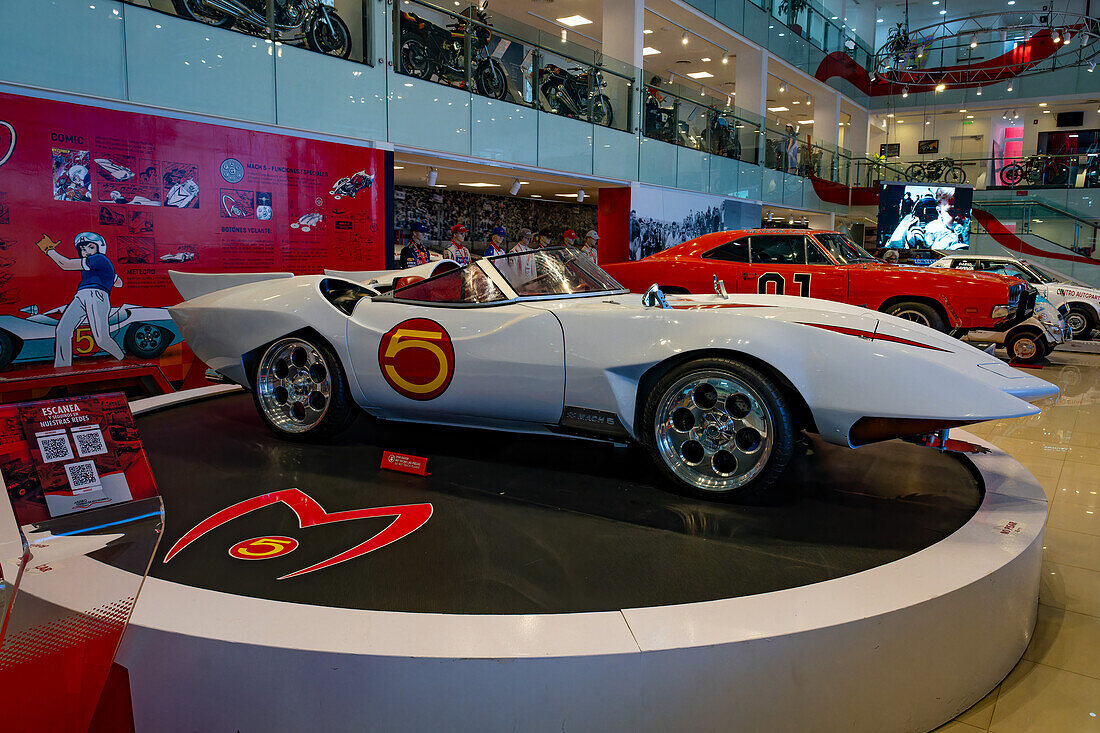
(570, 238)
(544, 238)
(496, 242)
(524, 243)
(92, 299)
(589, 248)
(457, 251)
(416, 252)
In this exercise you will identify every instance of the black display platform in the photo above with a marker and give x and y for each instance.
(530, 524)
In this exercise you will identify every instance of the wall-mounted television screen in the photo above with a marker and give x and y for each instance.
(920, 216)
(1070, 119)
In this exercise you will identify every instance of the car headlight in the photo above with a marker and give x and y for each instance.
(1000, 311)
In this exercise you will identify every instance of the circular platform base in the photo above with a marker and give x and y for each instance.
(617, 604)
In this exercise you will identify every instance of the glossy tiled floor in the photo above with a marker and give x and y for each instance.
(1056, 686)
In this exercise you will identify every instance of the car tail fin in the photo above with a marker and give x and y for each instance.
(193, 284)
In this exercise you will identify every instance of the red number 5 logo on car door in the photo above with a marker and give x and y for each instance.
(417, 359)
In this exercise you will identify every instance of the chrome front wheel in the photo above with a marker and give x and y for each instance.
(294, 385)
(720, 428)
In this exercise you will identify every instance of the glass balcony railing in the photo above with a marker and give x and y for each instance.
(673, 114)
(339, 28)
(509, 61)
(1042, 171)
(1068, 231)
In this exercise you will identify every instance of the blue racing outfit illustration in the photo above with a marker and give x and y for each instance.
(93, 295)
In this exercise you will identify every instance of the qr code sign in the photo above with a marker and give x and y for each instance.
(82, 475)
(89, 442)
(55, 448)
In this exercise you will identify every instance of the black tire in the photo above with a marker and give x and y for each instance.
(334, 41)
(338, 410)
(196, 10)
(9, 349)
(145, 340)
(413, 56)
(954, 175)
(602, 114)
(490, 79)
(774, 446)
(914, 172)
(1025, 346)
(917, 312)
(1012, 174)
(1056, 174)
(1081, 321)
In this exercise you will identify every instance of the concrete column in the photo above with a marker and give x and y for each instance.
(751, 77)
(826, 117)
(623, 22)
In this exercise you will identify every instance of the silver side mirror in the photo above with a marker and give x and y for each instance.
(720, 288)
(654, 298)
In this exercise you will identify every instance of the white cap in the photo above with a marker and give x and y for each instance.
(592, 235)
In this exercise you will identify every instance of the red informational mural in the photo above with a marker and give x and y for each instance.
(96, 206)
(67, 455)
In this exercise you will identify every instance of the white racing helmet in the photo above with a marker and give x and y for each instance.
(92, 237)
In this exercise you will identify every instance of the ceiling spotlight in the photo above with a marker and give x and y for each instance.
(729, 100)
(978, 92)
(1056, 36)
(684, 39)
(670, 77)
(940, 87)
(905, 92)
(725, 58)
(564, 35)
(515, 187)
(782, 88)
(973, 41)
(433, 174)
(580, 196)
(1015, 115)
(1009, 87)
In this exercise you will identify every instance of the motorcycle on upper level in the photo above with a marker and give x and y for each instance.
(567, 92)
(313, 21)
(427, 49)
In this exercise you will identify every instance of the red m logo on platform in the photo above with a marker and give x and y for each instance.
(407, 519)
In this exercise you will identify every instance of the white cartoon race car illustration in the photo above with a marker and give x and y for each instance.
(716, 387)
(351, 185)
(178, 257)
(307, 221)
(141, 332)
(114, 170)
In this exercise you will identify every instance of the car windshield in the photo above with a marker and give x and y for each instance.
(843, 249)
(553, 271)
(1053, 276)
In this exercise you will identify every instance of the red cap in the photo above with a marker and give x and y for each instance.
(458, 228)
(569, 234)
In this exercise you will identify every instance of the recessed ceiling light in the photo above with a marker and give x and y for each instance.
(779, 109)
(962, 111)
(941, 87)
(399, 167)
(700, 75)
(1011, 2)
(567, 195)
(796, 102)
(890, 114)
(943, 12)
(1046, 111)
(805, 122)
(647, 31)
(536, 195)
(647, 51)
(1042, 104)
(970, 117)
(879, 20)
(705, 59)
(480, 184)
(901, 122)
(438, 185)
(574, 20)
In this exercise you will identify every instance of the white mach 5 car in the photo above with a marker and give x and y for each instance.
(716, 387)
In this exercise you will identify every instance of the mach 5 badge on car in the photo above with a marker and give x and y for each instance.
(716, 387)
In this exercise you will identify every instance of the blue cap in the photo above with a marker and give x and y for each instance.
(501, 231)
(418, 227)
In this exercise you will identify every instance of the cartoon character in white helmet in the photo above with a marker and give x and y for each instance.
(93, 295)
